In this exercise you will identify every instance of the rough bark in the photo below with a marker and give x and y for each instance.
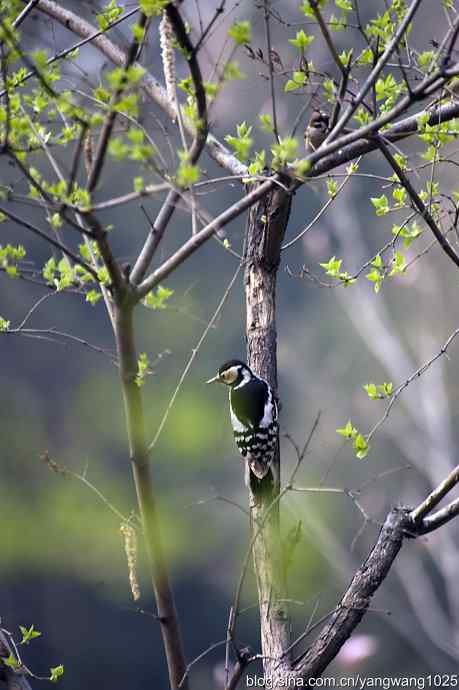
(266, 226)
(356, 600)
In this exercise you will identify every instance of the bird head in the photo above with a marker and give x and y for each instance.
(232, 373)
(317, 130)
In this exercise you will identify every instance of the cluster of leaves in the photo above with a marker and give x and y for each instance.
(132, 147)
(379, 271)
(379, 392)
(436, 136)
(29, 634)
(359, 442)
(158, 299)
(62, 274)
(10, 256)
(333, 268)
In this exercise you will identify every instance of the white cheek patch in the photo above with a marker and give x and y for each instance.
(245, 378)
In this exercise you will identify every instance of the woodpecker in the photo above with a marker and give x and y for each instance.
(253, 412)
(316, 131)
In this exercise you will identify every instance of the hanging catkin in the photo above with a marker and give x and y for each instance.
(166, 36)
(130, 547)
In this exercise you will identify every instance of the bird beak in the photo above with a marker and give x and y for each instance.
(216, 379)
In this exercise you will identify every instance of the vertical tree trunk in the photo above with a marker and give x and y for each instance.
(266, 226)
(140, 463)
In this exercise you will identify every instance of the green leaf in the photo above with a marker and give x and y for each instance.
(158, 299)
(109, 14)
(241, 32)
(398, 264)
(55, 221)
(332, 267)
(4, 325)
(49, 270)
(283, 152)
(11, 662)
(399, 196)
(372, 391)
(360, 446)
(139, 184)
(56, 673)
(331, 187)
(301, 41)
(345, 5)
(381, 205)
(143, 364)
(266, 123)
(187, 174)
(365, 57)
(348, 431)
(307, 9)
(375, 277)
(242, 143)
(153, 8)
(386, 389)
(425, 60)
(93, 296)
(298, 80)
(28, 634)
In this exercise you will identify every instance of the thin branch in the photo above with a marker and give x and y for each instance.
(34, 307)
(418, 203)
(194, 352)
(110, 119)
(202, 236)
(266, 13)
(434, 498)
(207, 651)
(63, 53)
(218, 11)
(372, 77)
(40, 233)
(423, 368)
(22, 15)
(157, 93)
(319, 214)
(200, 135)
(440, 518)
(65, 472)
(328, 39)
(52, 335)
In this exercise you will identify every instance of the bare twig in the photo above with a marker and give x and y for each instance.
(328, 39)
(200, 136)
(418, 203)
(416, 374)
(266, 14)
(194, 352)
(65, 472)
(434, 498)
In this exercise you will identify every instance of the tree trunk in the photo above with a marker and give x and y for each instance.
(266, 226)
(140, 464)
